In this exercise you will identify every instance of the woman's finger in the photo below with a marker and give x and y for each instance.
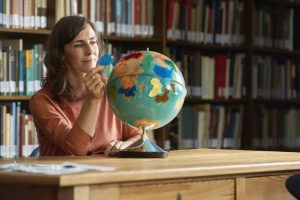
(109, 147)
(99, 85)
(117, 145)
(94, 73)
(124, 145)
(116, 148)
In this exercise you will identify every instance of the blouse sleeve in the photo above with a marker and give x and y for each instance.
(56, 126)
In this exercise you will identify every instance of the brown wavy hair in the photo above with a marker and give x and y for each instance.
(64, 31)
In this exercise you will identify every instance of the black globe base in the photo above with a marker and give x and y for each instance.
(132, 154)
(143, 148)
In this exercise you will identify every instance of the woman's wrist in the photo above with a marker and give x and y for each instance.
(92, 99)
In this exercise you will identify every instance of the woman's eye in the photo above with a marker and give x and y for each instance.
(93, 42)
(78, 45)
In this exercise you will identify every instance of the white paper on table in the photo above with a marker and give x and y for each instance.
(52, 169)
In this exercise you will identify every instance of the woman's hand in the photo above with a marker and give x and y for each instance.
(115, 146)
(94, 82)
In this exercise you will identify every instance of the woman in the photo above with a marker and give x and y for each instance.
(71, 112)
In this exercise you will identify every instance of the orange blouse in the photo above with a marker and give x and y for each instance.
(59, 134)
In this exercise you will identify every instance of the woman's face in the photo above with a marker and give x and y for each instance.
(81, 54)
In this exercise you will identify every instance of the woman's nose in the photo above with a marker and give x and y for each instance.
(88, 49)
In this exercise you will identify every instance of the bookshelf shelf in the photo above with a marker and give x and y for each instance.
(195, 100)
(25, 31)
(275, 51)
(277, 102)
(14, 98)
(201, 46)
(279, 3)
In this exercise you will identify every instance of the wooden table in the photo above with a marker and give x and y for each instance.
(189, 174)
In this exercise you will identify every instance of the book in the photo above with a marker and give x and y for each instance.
(14, 48)
(202, 124)
(29, 66)
(185, 127)
(220, 75)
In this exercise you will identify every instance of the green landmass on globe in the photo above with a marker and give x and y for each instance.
(146, 89)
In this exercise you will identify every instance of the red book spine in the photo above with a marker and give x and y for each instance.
(170, 14)
(220, 75)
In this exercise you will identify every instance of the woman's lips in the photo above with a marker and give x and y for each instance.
(92, 60)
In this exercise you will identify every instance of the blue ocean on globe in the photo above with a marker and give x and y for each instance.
(146, 89)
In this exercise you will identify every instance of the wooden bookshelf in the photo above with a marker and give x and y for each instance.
(161, 42)
(154, 40)
(250, 49)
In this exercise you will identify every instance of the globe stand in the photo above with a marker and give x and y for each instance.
(143, 148)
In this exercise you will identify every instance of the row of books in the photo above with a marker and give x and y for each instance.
(206, 126)
(92, 9)
(18, 135)
(25, 14)
(276, 128)
(273, 28)
(130, 18)
(21, 67)
(275, 78)
(207, 21)
(217, 76)
(119, 51)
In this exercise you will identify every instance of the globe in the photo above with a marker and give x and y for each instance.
(146, 89)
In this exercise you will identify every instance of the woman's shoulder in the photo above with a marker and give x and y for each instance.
(42, 96)
(43, 92)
